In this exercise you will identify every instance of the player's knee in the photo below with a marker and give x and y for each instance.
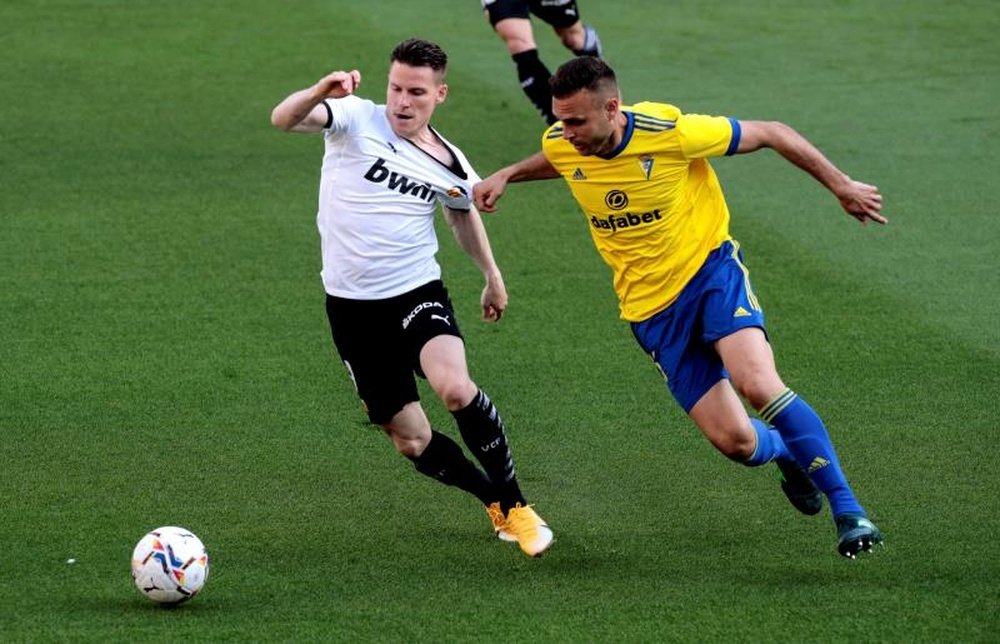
(758, 387)
(518, 44)
(736, 445)
(572, 42)
(410, 446)
(455, 392)
(572, 37)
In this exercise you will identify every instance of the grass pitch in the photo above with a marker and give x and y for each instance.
(165, 357)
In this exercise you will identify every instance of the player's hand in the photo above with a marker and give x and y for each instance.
(338, 84)
(863, 202)
(494, 298)
(487, 192)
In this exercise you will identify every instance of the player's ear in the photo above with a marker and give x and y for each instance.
(612, 106)
(442, 93)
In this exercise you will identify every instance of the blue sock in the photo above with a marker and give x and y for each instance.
(769, 445)
(806, 438)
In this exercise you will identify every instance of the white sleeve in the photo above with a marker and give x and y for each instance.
(344, 112)
(456, 198)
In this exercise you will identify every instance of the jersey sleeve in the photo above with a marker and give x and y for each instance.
(457, 196)
(550, 146)
(343, 112)
(707, 136)
(473, 176)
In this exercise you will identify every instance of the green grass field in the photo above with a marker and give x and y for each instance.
(165, 357)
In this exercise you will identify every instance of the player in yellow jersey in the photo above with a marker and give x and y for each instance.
(658, 217)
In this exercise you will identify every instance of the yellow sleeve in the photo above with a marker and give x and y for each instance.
(550, 141)
(707, 136)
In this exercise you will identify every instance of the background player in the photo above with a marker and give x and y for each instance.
(384, 171)
(659, 219)
(511, 21)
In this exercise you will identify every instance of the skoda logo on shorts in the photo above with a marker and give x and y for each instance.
(616, 200)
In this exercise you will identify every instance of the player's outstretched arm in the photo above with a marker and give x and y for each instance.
(467, 226)
(301, 111)
(860, 200)
(487, 192)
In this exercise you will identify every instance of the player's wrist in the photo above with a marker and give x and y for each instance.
(317, 94)
(492, 275)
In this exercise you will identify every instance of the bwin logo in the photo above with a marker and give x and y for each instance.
(398, 182)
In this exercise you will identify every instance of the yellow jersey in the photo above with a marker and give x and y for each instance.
(654, 204)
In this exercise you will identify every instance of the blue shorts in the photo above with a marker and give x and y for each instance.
(717, 302)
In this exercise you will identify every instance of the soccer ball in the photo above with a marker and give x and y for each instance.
(170, 565)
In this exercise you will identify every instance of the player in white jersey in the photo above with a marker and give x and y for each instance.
(385, 170)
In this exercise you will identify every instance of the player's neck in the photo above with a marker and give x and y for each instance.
(428, 141)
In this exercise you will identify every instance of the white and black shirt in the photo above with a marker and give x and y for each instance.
(377, 199)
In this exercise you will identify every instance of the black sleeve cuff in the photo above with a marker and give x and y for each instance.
(329, 116)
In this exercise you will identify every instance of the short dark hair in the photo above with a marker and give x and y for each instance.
(420, 53)
(583, 72)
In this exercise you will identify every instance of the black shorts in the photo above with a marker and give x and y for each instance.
(380, 342)
(558, 13)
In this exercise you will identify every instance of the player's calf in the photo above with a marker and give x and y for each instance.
(801, 492)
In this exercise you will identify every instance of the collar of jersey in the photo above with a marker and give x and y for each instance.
(455, 169)
(629, 126)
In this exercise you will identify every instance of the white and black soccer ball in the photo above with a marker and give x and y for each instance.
(170, 565)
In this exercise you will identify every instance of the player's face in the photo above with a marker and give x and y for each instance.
(411, 97)
(590, 121)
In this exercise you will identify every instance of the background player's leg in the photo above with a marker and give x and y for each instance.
(581, 39)
(531, 71)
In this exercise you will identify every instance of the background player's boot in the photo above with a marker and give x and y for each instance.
(799, 488)
(533, 535)
(499, 522)
(856, 534)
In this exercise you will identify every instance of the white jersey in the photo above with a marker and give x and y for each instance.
(377, 199)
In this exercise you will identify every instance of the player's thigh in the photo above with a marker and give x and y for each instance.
(425, 313)
(435, 343)
(672, 338)
(516, 33)
(749, 359)
(442, 360)
(733, 321)
(371, 346)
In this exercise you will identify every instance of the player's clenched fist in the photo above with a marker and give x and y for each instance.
(338, 84)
